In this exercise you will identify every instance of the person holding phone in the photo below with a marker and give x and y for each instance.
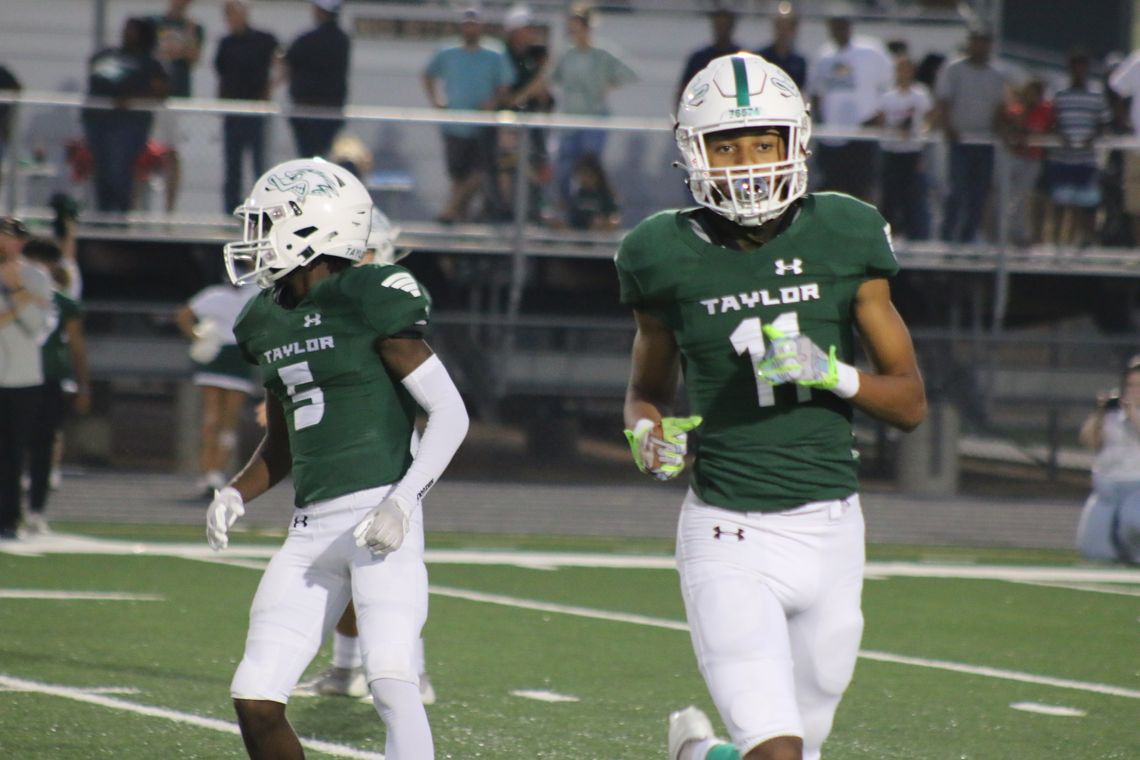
(1109, 528)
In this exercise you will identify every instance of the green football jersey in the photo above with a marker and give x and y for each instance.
(349, 422)
(55, 351)
(761, 448)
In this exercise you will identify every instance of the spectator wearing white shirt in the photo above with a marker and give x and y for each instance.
(25, 322)
(846, 81)
(1125, 82)
(905, 109)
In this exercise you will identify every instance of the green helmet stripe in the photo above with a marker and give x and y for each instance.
(741, 73)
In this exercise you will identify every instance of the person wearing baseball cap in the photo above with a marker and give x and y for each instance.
(25, 308)
(317, 63)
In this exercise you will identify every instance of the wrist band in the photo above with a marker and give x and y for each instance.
(848, 384)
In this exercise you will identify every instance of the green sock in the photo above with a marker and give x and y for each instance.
(723, 752)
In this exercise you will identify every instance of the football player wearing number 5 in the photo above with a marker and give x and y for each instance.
(756, 295)
(345, 366)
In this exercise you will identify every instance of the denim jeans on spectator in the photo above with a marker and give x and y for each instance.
(971, 172)
(114, 146)
(314, 137)
(572, 145)
(904, 195)
(241, 134)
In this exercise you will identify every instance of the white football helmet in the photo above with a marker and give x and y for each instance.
(382, 239)
(742, 91)
(297, 211)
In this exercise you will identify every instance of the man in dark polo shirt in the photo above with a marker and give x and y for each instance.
(243, 63)
(317, 64)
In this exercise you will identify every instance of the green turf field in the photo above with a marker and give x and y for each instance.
(1034, 657)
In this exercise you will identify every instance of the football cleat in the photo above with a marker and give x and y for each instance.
(687, 725)
(35, 524)
(334, 682)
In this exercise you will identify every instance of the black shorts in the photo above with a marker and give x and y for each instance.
(467, 155)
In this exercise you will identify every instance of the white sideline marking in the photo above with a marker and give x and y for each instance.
(239, 555)
(1085, 587)
(1008, 675)
(85, 690)
(84, 695)
(563, 609)
(1037, 707)
(675, 625)
(64, 543)
(543, 696)
(99, 596)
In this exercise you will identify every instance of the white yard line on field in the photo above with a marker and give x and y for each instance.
(98, 596)
(82, 695)
(675, 625)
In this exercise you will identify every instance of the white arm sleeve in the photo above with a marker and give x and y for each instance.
(433, 390)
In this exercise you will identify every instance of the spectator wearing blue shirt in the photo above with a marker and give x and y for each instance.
(782, 51)
(723, 24)
(472, 78)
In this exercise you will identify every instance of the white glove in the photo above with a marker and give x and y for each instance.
(222, 513)
(384, 528)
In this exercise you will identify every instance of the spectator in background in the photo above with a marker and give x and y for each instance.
(723, 25)
(1115, 224)
(9, 85)
(1125, 81)
(585, 74)
(1080, 114)
(592, 203)
(971, 96)
(221, 374)
(473, 77)
(905, 109)
(782, 50)
(530, 58)
(179, 47)
(847, 80)
(115, 136)
(1109, 527)
(317, 68)
(1029, 115)
(243, 62)
(65, 372)
(25, 312)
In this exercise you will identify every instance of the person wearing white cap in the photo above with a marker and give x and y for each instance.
(317, 65)
(527, 50)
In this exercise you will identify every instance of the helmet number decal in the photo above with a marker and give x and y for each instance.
(304, 414)
(748, 339)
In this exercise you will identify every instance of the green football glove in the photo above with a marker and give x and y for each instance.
(668, 452)
(797, 359)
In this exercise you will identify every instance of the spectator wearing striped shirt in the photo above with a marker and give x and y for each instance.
(1080, 113)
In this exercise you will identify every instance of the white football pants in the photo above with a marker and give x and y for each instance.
(773, 605)
(307, 585)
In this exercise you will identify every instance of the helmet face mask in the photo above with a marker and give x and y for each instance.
(297, 211)
(744, 92)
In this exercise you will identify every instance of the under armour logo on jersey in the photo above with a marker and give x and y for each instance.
(312, 320)
(719, 531)
(402, 281)
(796, 267)
(301, 521)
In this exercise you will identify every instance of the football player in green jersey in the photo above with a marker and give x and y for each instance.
(344, 364)
(756, 296)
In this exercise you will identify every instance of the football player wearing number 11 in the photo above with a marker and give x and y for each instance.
(756, 295)
(345, 366)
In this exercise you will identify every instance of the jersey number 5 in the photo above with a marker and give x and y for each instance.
(304, 415)
(748, 340)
